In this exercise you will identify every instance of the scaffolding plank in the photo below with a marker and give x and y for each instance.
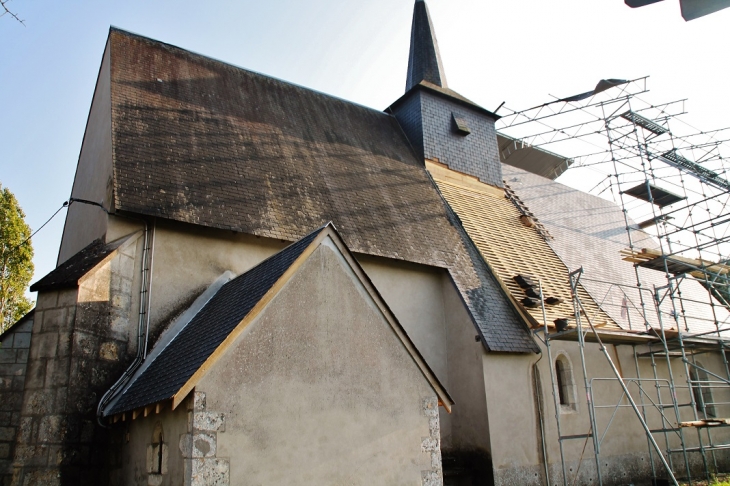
(675, 159)
(578, 436)
(714, 422)
(656, 195)
(653, 221)
(654, 260)
(644, 123)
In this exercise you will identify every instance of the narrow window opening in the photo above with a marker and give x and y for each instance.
(559, 373)
(159, 455)
(702, 391)
(565, 384)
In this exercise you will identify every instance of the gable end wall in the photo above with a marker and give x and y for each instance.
(324, 390)
(93, 179)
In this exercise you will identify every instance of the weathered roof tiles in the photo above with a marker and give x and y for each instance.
(203, 142)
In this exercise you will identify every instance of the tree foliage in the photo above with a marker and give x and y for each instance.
(16, 260)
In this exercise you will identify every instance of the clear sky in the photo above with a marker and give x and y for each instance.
(518, 51)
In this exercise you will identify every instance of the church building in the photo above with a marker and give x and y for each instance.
(262, 284)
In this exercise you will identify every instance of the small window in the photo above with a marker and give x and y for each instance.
(565, 383)
(702, 391)
(157, 454)
(559, 373)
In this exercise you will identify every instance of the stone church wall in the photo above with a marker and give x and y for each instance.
(14, 349)
(79, 349)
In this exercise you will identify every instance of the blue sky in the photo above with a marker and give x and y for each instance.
(518, 51)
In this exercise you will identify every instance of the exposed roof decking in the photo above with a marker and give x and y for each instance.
(590, 232)
(510, 248)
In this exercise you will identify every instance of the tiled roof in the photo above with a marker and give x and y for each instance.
(590, 232)
(203, 142)
(511, 248)
(184, 355)
(67, 274)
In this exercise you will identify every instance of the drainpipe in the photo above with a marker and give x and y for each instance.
(143, 325)
(537, 384)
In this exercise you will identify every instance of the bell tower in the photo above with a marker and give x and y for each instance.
(442, 125)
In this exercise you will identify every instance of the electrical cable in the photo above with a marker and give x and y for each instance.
(65, 205)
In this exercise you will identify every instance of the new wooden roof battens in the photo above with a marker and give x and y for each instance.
(491, 218)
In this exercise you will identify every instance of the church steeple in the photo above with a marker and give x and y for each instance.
(424, 62)
(440, 124)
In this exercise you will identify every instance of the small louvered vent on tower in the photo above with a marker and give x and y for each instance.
(460, 125)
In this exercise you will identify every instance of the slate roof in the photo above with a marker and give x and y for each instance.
(203, 142)
(590, 232)
(187, 351)
(68, 274)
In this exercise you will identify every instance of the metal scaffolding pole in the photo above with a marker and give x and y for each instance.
(644, 160)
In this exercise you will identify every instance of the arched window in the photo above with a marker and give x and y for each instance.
(560, 375)
(565, 383)
(157, 453)
(701, 391)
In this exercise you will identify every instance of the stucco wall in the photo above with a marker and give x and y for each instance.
(465, 434)
(415, 295)
(138, 461)
(325, 392)
(514, 424)
(93, 180)
(188, 258)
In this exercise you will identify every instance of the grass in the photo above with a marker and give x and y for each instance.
(723, 480)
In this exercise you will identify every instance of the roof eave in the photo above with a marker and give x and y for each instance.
(445, 95)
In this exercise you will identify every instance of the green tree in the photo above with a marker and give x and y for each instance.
(16, 260)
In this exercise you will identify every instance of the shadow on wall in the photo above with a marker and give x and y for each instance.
(468, 468)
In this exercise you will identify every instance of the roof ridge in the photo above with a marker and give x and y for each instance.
(240, 68)
(510, 194)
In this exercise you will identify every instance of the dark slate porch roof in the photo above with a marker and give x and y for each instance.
(68, 274)
(182, 357)
(203, 142)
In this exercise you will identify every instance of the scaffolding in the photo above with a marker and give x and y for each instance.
(673, 180)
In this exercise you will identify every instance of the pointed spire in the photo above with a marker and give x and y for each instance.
(424, 63)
